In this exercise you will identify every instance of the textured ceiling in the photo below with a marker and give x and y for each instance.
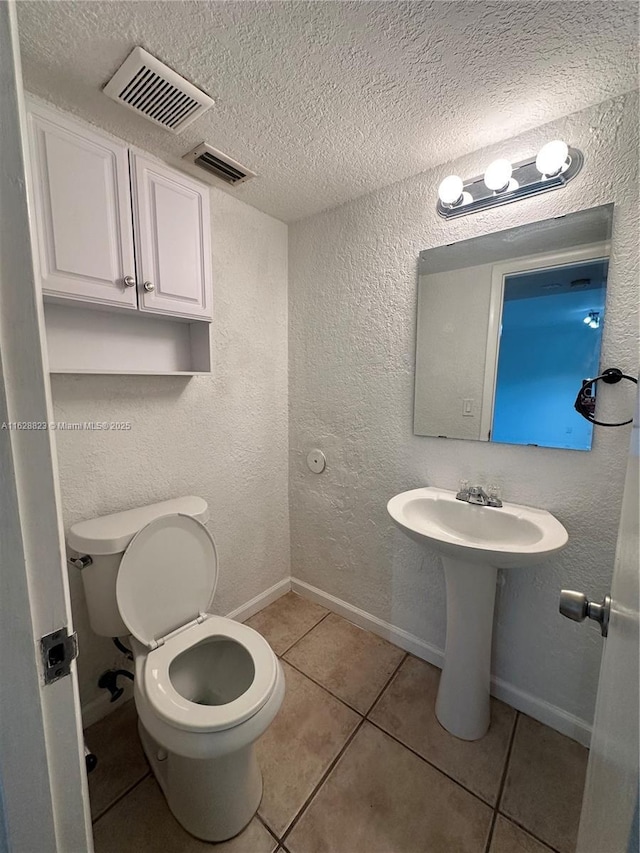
(330, 100)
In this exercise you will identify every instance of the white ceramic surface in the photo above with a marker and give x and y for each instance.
(167, 578)
(206, 687)
(511, 536)
(474, 542)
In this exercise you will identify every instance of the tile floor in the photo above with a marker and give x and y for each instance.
(356, 762)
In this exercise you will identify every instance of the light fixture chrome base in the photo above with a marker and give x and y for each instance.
(526, 181)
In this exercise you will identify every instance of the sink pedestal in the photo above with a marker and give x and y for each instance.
(474, 542)
(462, 706)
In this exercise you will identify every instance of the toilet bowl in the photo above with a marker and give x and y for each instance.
(205, 687)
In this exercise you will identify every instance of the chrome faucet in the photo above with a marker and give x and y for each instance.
(476, 495)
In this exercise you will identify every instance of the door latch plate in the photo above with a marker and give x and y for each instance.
(58, 649)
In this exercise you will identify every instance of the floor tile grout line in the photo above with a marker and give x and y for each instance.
(120, 797)
(386, 684)
(259, 817)
(492, 825)
(526, 830)
(507, 762)
(322, 686)
(302, 636)
(321, 781)
(344, 701)
(431, 764)
(503, 781)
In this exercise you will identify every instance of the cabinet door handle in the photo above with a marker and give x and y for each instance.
(129, 281)
(149, 286)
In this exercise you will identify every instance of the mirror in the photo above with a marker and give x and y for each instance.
(509, 326)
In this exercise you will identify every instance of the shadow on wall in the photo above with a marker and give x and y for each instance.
(75, 386)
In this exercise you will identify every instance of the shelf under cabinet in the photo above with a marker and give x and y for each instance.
(83, 340)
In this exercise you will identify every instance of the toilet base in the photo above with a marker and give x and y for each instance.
(214, 798)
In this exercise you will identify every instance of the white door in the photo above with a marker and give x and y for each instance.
(44, 798)
(609, 820)
(173, 247)
(80, 190)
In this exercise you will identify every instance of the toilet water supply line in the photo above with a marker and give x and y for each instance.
(109, 678)
(121, 646)
(109, 681)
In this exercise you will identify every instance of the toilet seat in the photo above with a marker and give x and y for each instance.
(167, 578)
(181, 713)
(164, 589)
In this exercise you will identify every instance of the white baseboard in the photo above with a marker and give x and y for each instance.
(261, 600)
(100, 707)
(397, 636)
(550, 715)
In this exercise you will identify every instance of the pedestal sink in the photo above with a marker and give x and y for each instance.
(474, 541)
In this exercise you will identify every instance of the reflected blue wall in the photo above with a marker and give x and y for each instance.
(546, 351)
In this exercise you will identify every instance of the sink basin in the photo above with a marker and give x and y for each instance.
(474, 541)
(511, 536)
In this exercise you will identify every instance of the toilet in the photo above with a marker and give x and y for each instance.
(205, 687)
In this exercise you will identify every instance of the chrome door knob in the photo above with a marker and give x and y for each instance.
(149, 286)
(576, 606)
(129, 281)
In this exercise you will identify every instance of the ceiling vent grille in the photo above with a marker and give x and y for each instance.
(218, 164)
(152, 89)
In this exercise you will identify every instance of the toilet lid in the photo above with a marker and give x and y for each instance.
(167, 577)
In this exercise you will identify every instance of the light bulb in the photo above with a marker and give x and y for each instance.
(450, 190)
(497, 176)
(552, 157)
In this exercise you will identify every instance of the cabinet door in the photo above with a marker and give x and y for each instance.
(173, 245)
(80, 186)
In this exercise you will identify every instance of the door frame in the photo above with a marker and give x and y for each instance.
(44, 804)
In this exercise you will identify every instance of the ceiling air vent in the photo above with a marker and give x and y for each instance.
(154, 90)
(218, 164)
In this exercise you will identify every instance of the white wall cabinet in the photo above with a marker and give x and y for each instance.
(115, 229)
(171, 215)
(83, 213)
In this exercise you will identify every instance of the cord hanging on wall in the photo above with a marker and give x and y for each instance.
(584, 401)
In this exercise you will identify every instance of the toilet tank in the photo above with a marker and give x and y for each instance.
(105, 540)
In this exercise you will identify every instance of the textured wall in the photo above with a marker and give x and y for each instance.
(223, 437)
(352, 310)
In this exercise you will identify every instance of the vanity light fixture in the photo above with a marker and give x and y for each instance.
(553, 167)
